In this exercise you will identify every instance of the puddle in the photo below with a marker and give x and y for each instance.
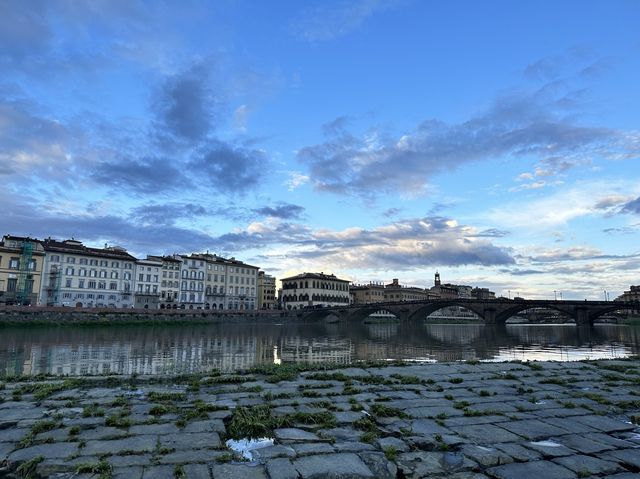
(547, 443)
(245, 446)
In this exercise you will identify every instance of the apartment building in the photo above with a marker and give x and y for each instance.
(21, 262)
(314, 289)
(81, 276)
(147, 283)
(266, 291)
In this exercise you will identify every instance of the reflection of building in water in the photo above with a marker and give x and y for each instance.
(454, 333)
(165, 355)
(338, 351)
(453, 312)
(382, 330)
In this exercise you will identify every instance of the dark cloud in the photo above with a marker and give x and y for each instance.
(230, 169)
(146, 176)
(185, 105)
(522, 272)
(285, 211)
(632, 206)
(22, 218)
(515, 125)
(391, 212)
(166, 214)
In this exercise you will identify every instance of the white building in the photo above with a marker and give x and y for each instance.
(147, 283)
(192, 277)
(169, 281)
(77, 275)
(314, 289)
(266, 291)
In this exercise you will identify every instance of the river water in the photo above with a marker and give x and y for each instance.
(180, 348)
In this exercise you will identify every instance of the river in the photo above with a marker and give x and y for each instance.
(180, 348)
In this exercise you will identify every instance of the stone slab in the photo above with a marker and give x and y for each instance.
(237, 471)
(332, 466)
(531, 470)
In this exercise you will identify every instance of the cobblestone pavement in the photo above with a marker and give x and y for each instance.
(499, 420)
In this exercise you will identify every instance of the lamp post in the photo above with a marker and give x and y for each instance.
(555, 297)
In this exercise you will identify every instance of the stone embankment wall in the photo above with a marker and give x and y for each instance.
(61, 315)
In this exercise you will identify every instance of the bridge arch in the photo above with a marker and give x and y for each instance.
(365, 311)
(505, 314)
(425, 310)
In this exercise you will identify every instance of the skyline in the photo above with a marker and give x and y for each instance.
(370, 139)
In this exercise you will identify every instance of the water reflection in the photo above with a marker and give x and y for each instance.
(190, 348)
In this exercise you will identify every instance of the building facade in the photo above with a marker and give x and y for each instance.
(314, 289)
(169, 281)
(81, 276)
(192, 278)
(21, 263)
(266, 291)
(394, 291)
(242, 285)
(367, 293)
(147, 283)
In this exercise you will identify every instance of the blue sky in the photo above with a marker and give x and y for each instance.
(497, 142)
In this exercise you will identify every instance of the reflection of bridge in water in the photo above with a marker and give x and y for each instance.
(493, 311)
(171, 349)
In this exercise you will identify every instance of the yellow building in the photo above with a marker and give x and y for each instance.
(21, 261)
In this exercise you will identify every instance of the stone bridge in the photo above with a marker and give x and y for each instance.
(492, 311)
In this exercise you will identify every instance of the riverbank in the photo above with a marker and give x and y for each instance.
(459, 420)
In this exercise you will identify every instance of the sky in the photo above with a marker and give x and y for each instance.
(496, 142)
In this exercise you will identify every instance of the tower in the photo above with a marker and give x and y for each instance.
(437, 279)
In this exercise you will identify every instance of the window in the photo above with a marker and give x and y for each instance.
(114, 275)
(12, 285)
(81, 283)
(92, 284)
(103, 273)
(127, 266)
(113, 285)
(148, 278)
(127, 276)
(69, 271)
(155, 278)
(112, 297)
(55, 258)
(90, 296)
(115, 264)
(147, 288)
(82, 272)
(67, 283)
(93, 262)
(32, 265)
(93, 273)
(66, 295)
(155, 288)
(83, 260)
(104, 262)
(14, 263)
(100, 296)
(71, 260)
(102, 285)
(127, 287)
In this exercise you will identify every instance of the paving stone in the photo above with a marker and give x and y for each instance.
(12, 435)
(135, 444)
(427, 464)
(629, 457)
(332, 466)
(158, 472)
(101, 432)
(487, 434)
(281, 469)
(293, 434)
(549, 448)
(167, 428)
(624, 475)
(130, 460)
(518, 452)
(61, 449)
(215, 425)
(347, 416)
(313, 448)
(131, 472)
(197, 471)
(617, 443)
(272, 452)
(196, 440)
(581, 464)
(194, 456)
(5, 449)
(426, 427)
(569, 425)
(582, 444)
(604, 424)
(380, 466)
(392, 442)
(533, 429)
(237, 471)
(354, 446)
(342, 433)
(531, 470)
(486, 456)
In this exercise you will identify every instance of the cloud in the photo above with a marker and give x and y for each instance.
(516, 125)
(230, 169)
(296, 180)
(184, 105)
(632, 206)
(405, 244)
(284, 211)
(145, 176)
(166, 214)
(391, 212)
(332, 21)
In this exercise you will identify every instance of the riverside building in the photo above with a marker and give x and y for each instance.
(81, 276)
(21, 262)
(147, 279)
(314, 289)
(266, 291)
